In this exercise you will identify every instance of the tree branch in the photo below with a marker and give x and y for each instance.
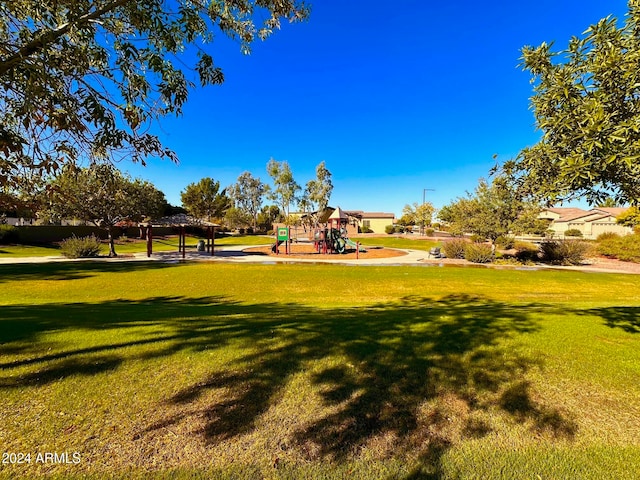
(49, 37)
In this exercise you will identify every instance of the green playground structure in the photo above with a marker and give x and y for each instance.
(353, 244)
(334, 240)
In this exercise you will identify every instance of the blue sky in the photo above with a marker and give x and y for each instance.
(395, 97)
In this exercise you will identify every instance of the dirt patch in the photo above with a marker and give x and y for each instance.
(605, 263)
(303, 250)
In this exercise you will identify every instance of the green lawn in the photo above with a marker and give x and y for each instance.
(153, 370)
(397, 242)
(131, 246)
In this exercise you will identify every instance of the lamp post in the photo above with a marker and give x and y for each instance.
(424, 199)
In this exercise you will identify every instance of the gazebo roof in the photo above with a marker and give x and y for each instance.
(182, 219)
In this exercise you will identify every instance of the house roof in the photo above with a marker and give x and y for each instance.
(569, 214)
(374, 214)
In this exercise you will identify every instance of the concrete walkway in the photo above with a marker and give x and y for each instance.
(234, 254)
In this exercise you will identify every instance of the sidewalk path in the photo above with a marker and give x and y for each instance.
(236, 254)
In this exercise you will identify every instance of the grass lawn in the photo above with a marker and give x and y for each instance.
(398, 242)
(131, 246)
(152, 370)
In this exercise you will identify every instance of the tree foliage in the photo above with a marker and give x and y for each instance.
(285, 187)
(585, 102)
(247, 193)
(417, 214)
(102, 195)
(204, 200)
(318, 191)
(268, 216)
(493, 210)
(86, 79)
(629, 218)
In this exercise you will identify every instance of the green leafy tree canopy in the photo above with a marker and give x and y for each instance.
(493, 210)
(204, 200)
(586, 106)
(85, 79)
(318, 191)
(247, 193)
(285, 187)
(102, 195)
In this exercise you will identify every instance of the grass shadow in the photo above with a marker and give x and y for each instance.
(408, 367)
(625, 318)
(71, 270)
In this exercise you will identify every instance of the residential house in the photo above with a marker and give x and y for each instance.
(590, 223)
(376, 221)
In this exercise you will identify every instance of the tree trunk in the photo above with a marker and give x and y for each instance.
(112, 246)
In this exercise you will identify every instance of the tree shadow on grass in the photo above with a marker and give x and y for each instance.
(72, 270)
(413, 376)
(625, 318)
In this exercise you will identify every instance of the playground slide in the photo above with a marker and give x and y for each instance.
(353, 244)
(276, 245)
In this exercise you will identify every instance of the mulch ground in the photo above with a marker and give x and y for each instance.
(303, 250)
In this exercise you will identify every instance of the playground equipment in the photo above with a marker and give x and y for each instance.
(334, 240)
(282, 236)
(332, 237)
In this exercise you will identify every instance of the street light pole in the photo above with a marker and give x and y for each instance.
(424, 200)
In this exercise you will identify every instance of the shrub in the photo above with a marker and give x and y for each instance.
(526, 251)
(390, 229)
(84, 247)
(429, 232)
(607, 236)
(505, 241)
(478, 252)
(454, 248)
(475, 238)
(625, 248)
(565, 252)
(366, 229)
(573, 232)
(8, 234)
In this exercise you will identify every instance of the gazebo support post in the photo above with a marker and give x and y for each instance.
(149, 240)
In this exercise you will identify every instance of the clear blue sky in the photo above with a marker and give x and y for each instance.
(395, 97)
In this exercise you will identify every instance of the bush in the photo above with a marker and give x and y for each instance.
(505, 241)
(573, 232)
(8, 234)
(390, 229)
(365, 229)
(607, 236)
(478, 253)
(454, 248)
(625, 248)
(526, 251)
(84, 247)
(565, 252)
(475, 238)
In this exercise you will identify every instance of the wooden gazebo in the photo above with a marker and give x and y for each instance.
(181, 222)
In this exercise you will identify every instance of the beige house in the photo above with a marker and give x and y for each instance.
(355, 219)
(590, 222)
(376, 221)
